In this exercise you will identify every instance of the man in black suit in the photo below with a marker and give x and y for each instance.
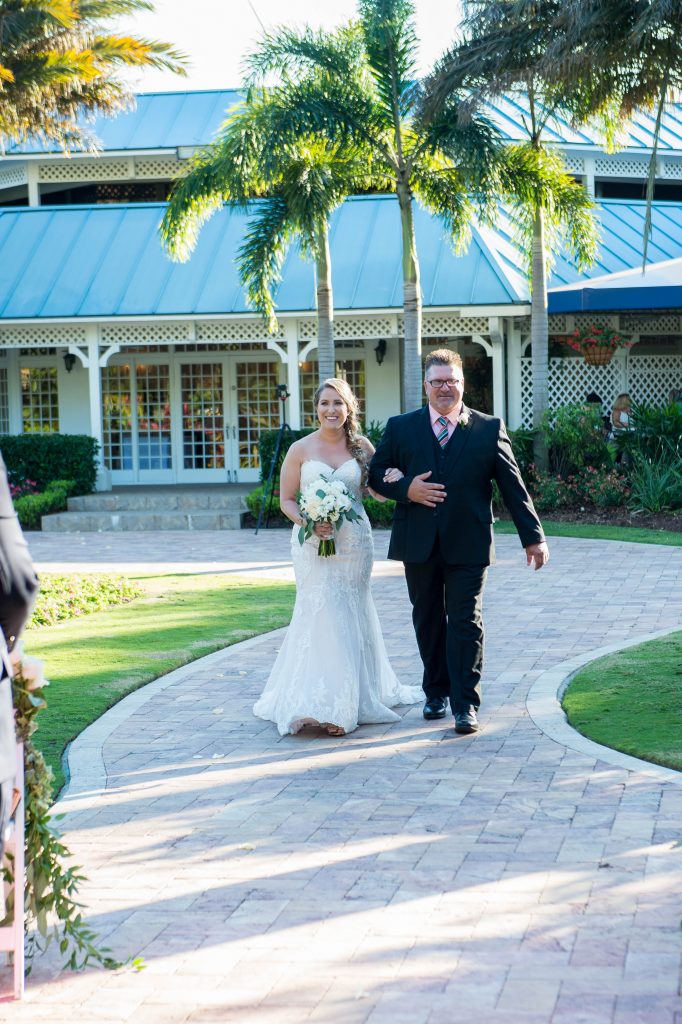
(442, 529)
(18, 587)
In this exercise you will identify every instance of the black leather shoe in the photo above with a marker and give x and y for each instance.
(436, 707)
(466, 721)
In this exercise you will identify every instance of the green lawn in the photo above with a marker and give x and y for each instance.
(637, 535)
(95, 660)
(632, 701)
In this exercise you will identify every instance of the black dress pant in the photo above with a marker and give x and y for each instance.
(447, 612)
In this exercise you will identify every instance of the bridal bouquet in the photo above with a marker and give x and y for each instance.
(325, 501)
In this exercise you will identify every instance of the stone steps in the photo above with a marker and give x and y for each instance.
(149, 510)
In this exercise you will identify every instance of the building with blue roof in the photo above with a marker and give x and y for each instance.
(172, 371)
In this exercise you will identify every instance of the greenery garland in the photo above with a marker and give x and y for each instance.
(51, 887)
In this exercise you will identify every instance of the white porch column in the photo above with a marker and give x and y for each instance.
(95, 396)
(293, 377)
(14, 391)
(32, 180)
(514, 352)
(497, 354)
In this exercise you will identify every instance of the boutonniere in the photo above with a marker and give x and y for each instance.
(463, 420)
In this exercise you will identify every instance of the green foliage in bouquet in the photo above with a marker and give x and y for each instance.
(50, 894)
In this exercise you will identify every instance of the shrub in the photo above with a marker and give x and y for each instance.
(550, 492)
(379, 513)
(575, 438)
(654, 432)
(267, 444)
(522, 446)
(67, 597)
(374, 431)
(656, 484)
(32, 507)
(603, 488)
(254, 500)
(47, 457)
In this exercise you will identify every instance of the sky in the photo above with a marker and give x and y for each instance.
(216, 34)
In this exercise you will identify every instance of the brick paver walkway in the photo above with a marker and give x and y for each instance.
(400, 874)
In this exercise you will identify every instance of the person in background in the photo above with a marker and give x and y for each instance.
(620, 413)
(594, 399)
(18, 589)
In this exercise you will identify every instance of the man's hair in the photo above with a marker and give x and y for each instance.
(443, 357)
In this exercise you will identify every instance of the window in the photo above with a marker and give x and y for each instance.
(350, 370)
(117, 428)
(39, 400)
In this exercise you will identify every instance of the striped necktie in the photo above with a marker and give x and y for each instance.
(442, 435)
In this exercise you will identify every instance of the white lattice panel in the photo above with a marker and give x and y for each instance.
(557, 323)
(157, 167)
(621, 167)
(13, 175)
(91, 169)
(666, 323)
(144, 334)
(446, 325)
(671, 169)
(570, 381)
(353, 327)
(574, 164)
(651, 378)
(31, 337)
(235, 330)
(602, 319)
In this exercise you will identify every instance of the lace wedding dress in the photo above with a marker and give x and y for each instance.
(332, 668)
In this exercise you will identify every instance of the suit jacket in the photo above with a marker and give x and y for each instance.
(18, 587)
(475, 455)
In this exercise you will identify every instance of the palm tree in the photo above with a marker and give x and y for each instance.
(619, 56)
(498, 55)
(361, 87)
(299, 180)
(59, 60)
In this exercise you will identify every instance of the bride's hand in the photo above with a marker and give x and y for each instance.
(392, 475)
(323, 530)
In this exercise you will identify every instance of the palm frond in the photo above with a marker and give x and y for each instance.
(443, 192)
(262, 253)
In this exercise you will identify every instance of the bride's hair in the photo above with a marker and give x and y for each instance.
(352, 424)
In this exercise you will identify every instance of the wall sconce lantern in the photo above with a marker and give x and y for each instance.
(69, 361)
(380, 350)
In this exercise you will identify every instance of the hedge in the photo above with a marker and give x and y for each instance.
(44, 458)
(32, 507)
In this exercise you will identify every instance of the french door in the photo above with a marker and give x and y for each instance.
(190, 420)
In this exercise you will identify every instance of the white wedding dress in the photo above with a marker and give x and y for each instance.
(332, 668)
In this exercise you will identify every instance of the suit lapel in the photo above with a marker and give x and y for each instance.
(427, 438)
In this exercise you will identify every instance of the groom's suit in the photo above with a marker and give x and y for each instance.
(447, 549)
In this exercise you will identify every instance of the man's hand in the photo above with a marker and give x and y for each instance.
(426, 494)
(538, 553)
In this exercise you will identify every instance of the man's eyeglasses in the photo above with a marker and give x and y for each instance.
(444, 383)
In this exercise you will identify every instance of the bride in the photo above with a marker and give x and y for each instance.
(332, 670)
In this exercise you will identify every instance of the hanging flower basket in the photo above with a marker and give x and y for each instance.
(597, 343)
(597, 355)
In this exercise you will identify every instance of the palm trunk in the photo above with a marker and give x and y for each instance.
(326, 361)
(412, 307)
(539, 334)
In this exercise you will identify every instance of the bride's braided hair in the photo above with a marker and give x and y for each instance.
(352, 424)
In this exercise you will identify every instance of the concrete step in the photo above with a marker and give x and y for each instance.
(99, 522)
(164, 501)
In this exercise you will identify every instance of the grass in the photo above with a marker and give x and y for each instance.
(632, 701)
(94, 661)
(634, 534)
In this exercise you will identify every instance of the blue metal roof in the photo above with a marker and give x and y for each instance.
(106, 261)
(510, 110)
(620, 248)
(160, 120)
(167, 120)
(658, 287)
